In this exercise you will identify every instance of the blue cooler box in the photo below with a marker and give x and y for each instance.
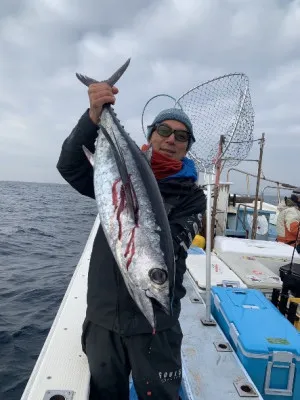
(267, 344)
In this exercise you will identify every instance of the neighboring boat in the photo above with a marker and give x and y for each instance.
(235, 214)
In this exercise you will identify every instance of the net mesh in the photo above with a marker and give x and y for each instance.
(221, 106)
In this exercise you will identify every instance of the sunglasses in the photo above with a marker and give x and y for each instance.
(165, 131)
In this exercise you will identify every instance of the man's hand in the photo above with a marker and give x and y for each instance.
(100, 94)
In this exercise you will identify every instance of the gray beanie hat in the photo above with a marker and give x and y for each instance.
(175, 114)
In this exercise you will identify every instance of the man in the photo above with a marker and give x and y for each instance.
(288, 220)
(117, 338)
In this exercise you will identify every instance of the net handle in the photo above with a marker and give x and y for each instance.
(246, 91)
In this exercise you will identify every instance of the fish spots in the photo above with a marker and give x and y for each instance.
(119, 203)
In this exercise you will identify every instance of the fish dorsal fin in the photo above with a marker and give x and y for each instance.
(148, 154)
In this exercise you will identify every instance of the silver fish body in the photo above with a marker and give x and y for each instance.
(133, 216)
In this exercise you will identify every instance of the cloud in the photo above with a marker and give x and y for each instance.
(173, 45)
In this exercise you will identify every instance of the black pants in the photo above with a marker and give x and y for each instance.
(154, 360)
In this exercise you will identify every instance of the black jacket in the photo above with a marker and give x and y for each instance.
(108, 301)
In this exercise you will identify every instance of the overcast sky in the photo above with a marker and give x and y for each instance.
(173, 44)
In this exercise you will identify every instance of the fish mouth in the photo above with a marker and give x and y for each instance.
(146, 300)
(163, 303)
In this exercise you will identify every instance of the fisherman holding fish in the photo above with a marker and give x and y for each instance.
(150, 210)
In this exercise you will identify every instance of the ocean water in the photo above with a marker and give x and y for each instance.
(43, 231)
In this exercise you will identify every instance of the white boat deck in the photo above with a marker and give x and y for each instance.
(62, 367)
(210, 371)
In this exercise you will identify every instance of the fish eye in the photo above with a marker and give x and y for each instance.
(158, 276)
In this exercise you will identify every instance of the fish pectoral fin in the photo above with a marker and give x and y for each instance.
(128, 187)
(130, 195)
(89, 155)
(148, 154)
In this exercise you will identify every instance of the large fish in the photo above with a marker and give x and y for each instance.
(132, 212)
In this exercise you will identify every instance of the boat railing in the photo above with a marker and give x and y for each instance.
(279, 185)
(243, 221)
(278, 193)
(259, 176)
(245, 206)
(282, 184)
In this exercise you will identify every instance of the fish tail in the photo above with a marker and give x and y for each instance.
(117, 75)
(87, 81)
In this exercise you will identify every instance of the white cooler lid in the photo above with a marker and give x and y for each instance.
(196, 264)
(252, 272)
(259, 248)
